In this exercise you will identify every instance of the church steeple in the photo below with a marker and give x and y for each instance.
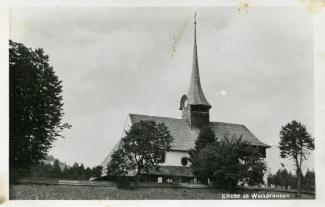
(195, 107)
(195, 95)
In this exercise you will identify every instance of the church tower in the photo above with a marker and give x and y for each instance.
(195, 107)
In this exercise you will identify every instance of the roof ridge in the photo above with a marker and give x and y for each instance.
(131, 114)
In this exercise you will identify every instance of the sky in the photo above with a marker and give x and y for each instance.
(256, 68)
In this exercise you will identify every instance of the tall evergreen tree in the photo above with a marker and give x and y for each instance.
(96, 171)
(56, 170)
(206, 137)
(309, 181)
(284, 179)
(65, 173)
(81, 172)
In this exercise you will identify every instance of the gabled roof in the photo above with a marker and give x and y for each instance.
(184, 136)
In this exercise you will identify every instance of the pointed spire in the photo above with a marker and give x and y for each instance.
(195, 94)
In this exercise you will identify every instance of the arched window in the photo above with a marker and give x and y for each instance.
(183, 102)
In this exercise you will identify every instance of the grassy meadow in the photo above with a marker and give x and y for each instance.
(64, 192)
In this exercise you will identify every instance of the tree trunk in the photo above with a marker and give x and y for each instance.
(298, 182)
(137, 179)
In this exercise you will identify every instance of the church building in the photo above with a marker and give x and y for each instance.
(185, 130)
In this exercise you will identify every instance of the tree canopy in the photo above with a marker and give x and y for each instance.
(141, 149)
(296, 143)
(206, 137)
(284, 179)
(226, 161)
(308, 181)
(54, 171)
(35, 101)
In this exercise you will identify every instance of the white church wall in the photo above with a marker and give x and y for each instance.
(173, 158)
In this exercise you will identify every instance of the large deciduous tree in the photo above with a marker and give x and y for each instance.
(119, 164)
(296, 143)
(35, 96)
(141, 149)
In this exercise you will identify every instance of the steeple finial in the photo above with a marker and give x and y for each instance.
(195, 31)
(195, 94)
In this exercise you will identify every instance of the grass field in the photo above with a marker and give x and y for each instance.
(62, 192)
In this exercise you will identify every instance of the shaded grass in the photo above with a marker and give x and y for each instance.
(62, 192)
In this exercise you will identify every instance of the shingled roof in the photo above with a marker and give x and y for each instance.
(184, 136)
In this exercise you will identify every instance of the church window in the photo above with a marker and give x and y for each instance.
(184, 161)
(160, 180)
(183, 103)
(162, 156)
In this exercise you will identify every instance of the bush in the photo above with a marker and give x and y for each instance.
(227, 162)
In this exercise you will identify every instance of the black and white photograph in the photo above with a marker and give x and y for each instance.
(162, 103)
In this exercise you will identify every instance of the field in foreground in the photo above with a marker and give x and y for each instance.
(63, 192)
